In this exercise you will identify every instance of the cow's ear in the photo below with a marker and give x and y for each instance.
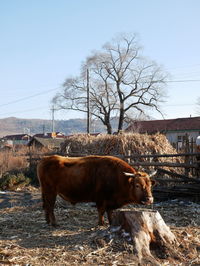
(131, 180)
(153, 182)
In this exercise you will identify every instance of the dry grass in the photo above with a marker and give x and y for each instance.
(120, 145)
(25, 239)
(13, 160)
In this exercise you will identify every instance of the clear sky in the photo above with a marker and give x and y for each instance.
(42, 42)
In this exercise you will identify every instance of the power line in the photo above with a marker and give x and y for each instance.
(28, 97)
(180, 104)
(183, 67)
(23, 111)
(53, 108)
(184, 80)
(47, 91)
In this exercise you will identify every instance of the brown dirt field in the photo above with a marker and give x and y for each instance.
(25, 239)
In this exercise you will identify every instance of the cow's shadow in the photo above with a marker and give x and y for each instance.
(30, 230)
(52, 238)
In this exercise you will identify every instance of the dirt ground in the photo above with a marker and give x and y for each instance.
(25, 239)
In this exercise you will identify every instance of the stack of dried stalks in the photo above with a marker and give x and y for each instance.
(120, 145)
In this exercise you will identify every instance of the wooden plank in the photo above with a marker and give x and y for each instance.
(173, 173)
(178, 180)
(161, 155)
(152, 163)
(132, 156)
(167, 164)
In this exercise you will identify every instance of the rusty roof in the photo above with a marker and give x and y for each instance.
(16, 137)
(165, 125)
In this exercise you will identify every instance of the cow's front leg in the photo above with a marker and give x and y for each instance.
(109, 214)
(101, 210)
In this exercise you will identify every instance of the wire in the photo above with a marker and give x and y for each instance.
(47, 91)
(183, 67)
(184, 80)
(23, 111)
(180, 104)
(28, 97)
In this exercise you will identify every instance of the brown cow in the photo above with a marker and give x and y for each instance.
(107, 181)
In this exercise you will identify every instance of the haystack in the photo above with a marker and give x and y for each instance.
(119, 145)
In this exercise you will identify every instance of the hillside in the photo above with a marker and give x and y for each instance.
(13, 125)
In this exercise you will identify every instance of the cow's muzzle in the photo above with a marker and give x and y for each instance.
(147, 201)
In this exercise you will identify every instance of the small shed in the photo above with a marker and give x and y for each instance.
(52, 144)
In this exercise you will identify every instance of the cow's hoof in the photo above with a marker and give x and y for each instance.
(55, 225)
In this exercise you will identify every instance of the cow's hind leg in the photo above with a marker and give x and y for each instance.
(49, 200)
(45, 209)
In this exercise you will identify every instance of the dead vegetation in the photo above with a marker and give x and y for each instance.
(121, 145)
(25, 239)
(10, 160)
(118, 144)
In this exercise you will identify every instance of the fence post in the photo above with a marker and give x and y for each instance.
(30, 158)
(192, 158)
(67, 149)
(129, 159)
(187, 157)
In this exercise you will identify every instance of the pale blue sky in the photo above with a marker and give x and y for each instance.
(44, 41)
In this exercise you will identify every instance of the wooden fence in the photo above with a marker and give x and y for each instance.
(189, 163)
(170, 184)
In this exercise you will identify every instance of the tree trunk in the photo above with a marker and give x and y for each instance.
(148, 233)
(109, 128)
(107, 123)
(121, 119)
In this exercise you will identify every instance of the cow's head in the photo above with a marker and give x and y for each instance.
(140, 185)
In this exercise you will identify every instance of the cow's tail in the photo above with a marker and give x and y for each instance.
(39, 176)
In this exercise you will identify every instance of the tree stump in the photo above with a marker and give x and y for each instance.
(148, 232)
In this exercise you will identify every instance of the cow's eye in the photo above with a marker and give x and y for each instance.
(137, 186)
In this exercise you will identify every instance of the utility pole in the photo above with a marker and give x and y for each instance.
(88, 102)
(53, 122)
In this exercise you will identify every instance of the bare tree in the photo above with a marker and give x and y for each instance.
(103, 98)
(138, 82)
(121, 81)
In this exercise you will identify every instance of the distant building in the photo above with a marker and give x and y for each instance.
(175, 130)
(50, 135)
(17, 139)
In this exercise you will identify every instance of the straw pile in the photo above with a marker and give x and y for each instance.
(120, 145)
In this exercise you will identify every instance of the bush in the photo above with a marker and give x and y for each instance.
(15, 171)
(31, 173)
(13, 180)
